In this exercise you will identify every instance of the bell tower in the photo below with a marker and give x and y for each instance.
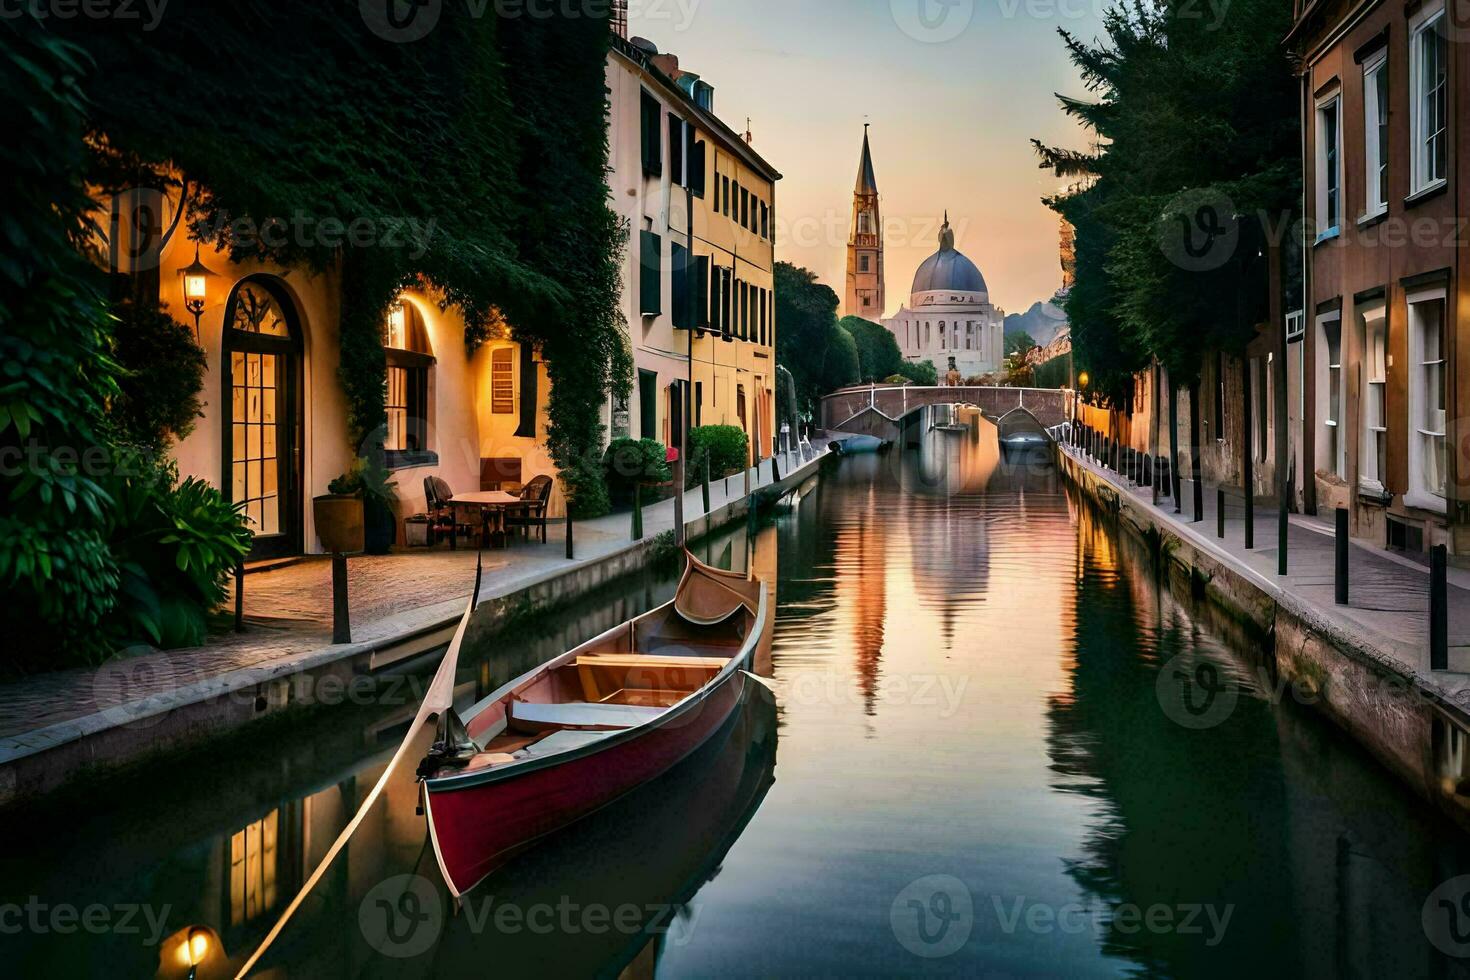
(865, 292)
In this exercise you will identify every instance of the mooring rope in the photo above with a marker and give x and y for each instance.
(440, 697)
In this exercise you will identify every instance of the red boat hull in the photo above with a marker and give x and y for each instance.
(478, 827)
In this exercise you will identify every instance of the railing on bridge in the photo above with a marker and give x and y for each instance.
(841, 409)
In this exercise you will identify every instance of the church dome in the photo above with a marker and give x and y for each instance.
(948, 270)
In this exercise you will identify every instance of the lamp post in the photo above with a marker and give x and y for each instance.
(196, 278)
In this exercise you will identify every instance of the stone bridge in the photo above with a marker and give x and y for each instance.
(878, 409)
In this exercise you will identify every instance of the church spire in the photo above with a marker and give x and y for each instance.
(867, 180)
(865, 293)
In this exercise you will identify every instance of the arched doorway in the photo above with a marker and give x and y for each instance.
(262, 395)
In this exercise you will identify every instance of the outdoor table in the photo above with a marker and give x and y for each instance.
(492, 505)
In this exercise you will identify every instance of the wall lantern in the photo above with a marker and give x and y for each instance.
(1082, 380)
(196, 278)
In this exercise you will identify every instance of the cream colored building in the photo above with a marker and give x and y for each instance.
(274, 433)
(698, 273)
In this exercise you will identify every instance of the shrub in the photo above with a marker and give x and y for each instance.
(369, 478)
(175, 545)
(922, 373)
(725, 446)
(634, 461)
(162, 375)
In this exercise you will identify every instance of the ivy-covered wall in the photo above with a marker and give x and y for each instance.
(472, 160)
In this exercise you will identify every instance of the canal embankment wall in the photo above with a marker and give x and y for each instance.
(199, 709)
(1412, 721)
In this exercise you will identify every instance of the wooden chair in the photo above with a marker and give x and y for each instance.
(532, 511)
(444, 519)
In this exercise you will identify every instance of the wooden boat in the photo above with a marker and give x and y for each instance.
(585, 728)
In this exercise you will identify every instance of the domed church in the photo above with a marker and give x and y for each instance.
(949, 319)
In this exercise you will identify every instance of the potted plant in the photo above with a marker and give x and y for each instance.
(364, 494)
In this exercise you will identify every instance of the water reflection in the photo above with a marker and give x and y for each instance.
(966, 664)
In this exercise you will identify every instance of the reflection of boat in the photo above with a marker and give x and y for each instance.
(851, 444)
(592, 724)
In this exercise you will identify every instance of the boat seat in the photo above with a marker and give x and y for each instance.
(530, 716)
(559, 741)
(648, 660)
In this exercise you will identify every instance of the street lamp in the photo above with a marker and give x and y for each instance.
(196, 278)
(1082, 380)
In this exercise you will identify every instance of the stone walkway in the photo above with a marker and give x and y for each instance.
(1388, 593)
(288, 616)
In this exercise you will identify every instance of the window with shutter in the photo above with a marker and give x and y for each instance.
(765, 221)
(650, 274)
(653, 155)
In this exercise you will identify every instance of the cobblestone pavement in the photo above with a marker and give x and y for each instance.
(1389, 593)
(288, 614)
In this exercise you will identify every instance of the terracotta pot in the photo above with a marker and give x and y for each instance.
(339, 523)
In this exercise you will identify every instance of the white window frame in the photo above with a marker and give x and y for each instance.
(1374, 406)
(1331, 104)
(1420, 494)
(1332, 431)
(1375, 148)
(1422, 182)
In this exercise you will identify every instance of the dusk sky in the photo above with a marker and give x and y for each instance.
(953, 99)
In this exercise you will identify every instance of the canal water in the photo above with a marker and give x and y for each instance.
(981, 757)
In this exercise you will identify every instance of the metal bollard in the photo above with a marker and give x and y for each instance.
(341, 614)
(1220, 513)
(1439, 608)
(239, 597)
(569, 534)
(637, 512)
(1340, 577)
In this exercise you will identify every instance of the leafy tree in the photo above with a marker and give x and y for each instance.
(820, 355)
(920, 373)
(877, 348)
(1018, 342)
(1194, 174)
(154, 406)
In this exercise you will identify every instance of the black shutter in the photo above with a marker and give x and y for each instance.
(726, 297)
(701, 292)
(526, 429)
(676, 151)
(679, 271)
(697, 163)
(653, 155)
(765, 220)
(648, 405)
(650, 273)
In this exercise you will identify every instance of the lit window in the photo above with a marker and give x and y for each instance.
(410, 359)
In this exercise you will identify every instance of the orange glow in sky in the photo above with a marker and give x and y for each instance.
(954, 90)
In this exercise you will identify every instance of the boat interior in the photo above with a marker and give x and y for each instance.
(623, 679)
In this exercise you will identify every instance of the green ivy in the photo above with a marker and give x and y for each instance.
(473, 159)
